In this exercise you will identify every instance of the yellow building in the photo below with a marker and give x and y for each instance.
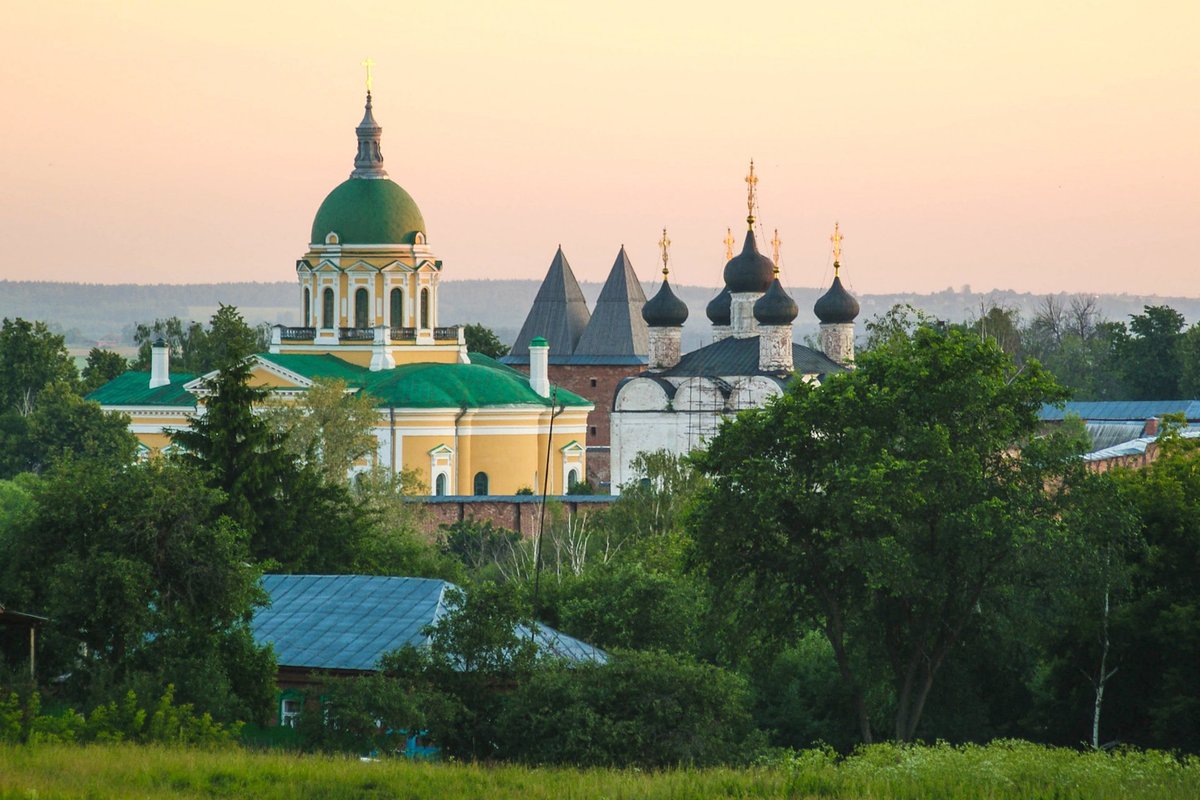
(368, 301)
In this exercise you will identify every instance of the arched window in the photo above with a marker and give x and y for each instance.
(439, 485)
(572, 479)
(424, 308)
(307, 318)
(397, 303)
(360, 309)
(327, 308)
(481, 483)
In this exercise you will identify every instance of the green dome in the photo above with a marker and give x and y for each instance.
(368, 211)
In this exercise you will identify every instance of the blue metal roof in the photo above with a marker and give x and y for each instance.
(1134, 447)
(349, 621)
(1129, 410)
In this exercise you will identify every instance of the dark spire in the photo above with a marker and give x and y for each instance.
(559, 314)
(617, 327)
(368, 163)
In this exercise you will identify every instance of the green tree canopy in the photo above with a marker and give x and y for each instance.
(884, 506)
(31, 358)
(481, 339)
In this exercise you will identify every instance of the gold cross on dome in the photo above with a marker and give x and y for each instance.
(664, 244)
(751, 184)
(368, 63)
(837, 247)
(728, 243)
(775, 250)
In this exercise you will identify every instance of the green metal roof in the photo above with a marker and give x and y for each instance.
(480, 384)
(368, 211)
(133, 389)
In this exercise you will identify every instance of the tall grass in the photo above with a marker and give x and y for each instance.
(1001, 770)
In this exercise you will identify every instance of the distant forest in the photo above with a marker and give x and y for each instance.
(93, 313)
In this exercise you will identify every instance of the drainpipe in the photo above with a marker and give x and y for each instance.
(457, 460)
(392, 426)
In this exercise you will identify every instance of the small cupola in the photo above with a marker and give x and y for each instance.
(837, 306)
(749, 270)
(665, 310)
(775, 307)
(719, 310)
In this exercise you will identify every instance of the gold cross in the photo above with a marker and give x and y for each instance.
(368, 64)
(751, 183)
(728, 243)
(775, 251)
(837, 247)
(664, 244)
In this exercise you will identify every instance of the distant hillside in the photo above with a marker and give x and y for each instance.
(90, 313)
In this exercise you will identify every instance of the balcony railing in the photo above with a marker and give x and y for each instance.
(403, 334)
(301, 334)
(442, 334)
(356, 334)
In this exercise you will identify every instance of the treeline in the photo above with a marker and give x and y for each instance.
(895, 554)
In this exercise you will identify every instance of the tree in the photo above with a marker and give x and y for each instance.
(1150, 358)
(898, 321)
(137, 564)
(481, 339)
(328, 428)
(31, 358)
(195, 349)
(884, 507)
(102, 366)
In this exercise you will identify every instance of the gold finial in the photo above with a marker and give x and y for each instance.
(751, 183)
(368, 63)
(837, 248)
(729, 240)
(664, 244)
(775, 251)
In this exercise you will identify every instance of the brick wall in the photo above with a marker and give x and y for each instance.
(516, 512)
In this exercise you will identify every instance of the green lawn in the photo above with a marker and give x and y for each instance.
(1002, 770)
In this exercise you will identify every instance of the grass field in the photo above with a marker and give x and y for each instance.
(1001, 770)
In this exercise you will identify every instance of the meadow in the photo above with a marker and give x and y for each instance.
(1001, 770)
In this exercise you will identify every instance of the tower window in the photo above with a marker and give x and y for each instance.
(397, 308)
(593, 383)
(307, 318)
(360, 309)
(481, 483)
(593, 430)
(327, 308)
(424, 308)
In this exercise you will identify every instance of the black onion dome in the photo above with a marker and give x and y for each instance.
(665, 310)
(720, 308)
(837, 305)
(749, 270)
(775, 307)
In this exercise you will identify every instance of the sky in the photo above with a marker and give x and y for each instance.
(1035, 146)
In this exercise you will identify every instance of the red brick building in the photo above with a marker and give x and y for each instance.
(591, 352)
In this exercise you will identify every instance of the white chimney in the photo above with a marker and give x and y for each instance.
(160, 363)
(539, 366)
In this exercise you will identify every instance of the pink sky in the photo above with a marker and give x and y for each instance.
(1026, 145)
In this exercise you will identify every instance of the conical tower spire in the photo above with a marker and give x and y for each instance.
(368, 163)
